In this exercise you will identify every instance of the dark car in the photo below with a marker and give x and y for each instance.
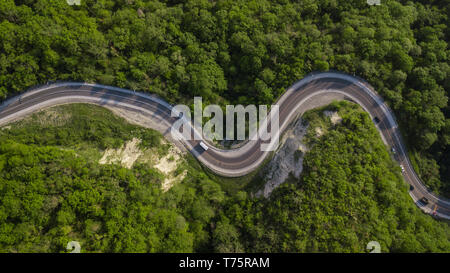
(424, 200)
(411, 187)
(377, 120)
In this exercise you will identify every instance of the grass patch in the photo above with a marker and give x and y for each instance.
(86, 129)
(77, 125)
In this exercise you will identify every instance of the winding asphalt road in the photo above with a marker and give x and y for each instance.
(247, 158)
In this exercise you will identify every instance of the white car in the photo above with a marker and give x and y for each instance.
(403, 168)
(203, 145)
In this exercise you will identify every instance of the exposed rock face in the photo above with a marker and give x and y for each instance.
(130, 153)
(126, 155)
(288, 159)
(167, 165)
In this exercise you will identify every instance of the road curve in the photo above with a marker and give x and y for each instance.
(247, 158)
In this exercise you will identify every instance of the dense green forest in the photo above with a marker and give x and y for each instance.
(243, 52)
(249, 52)
(53, 191)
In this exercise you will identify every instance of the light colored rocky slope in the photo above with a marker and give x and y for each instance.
(289, 157)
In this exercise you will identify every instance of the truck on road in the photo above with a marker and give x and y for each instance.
(203, 145)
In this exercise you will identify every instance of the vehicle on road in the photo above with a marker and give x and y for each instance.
(434, 213)
(393, 150)
(376, 120)
(203, 145)
(403, 168)
(424, 200)
(411, 187)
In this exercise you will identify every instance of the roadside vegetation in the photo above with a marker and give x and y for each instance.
(53, 190)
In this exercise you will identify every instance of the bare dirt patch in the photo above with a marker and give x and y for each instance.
(319, 131)
(129, 154)
(168, 165)
(334, 116)
(171, 181)
(125, 155)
